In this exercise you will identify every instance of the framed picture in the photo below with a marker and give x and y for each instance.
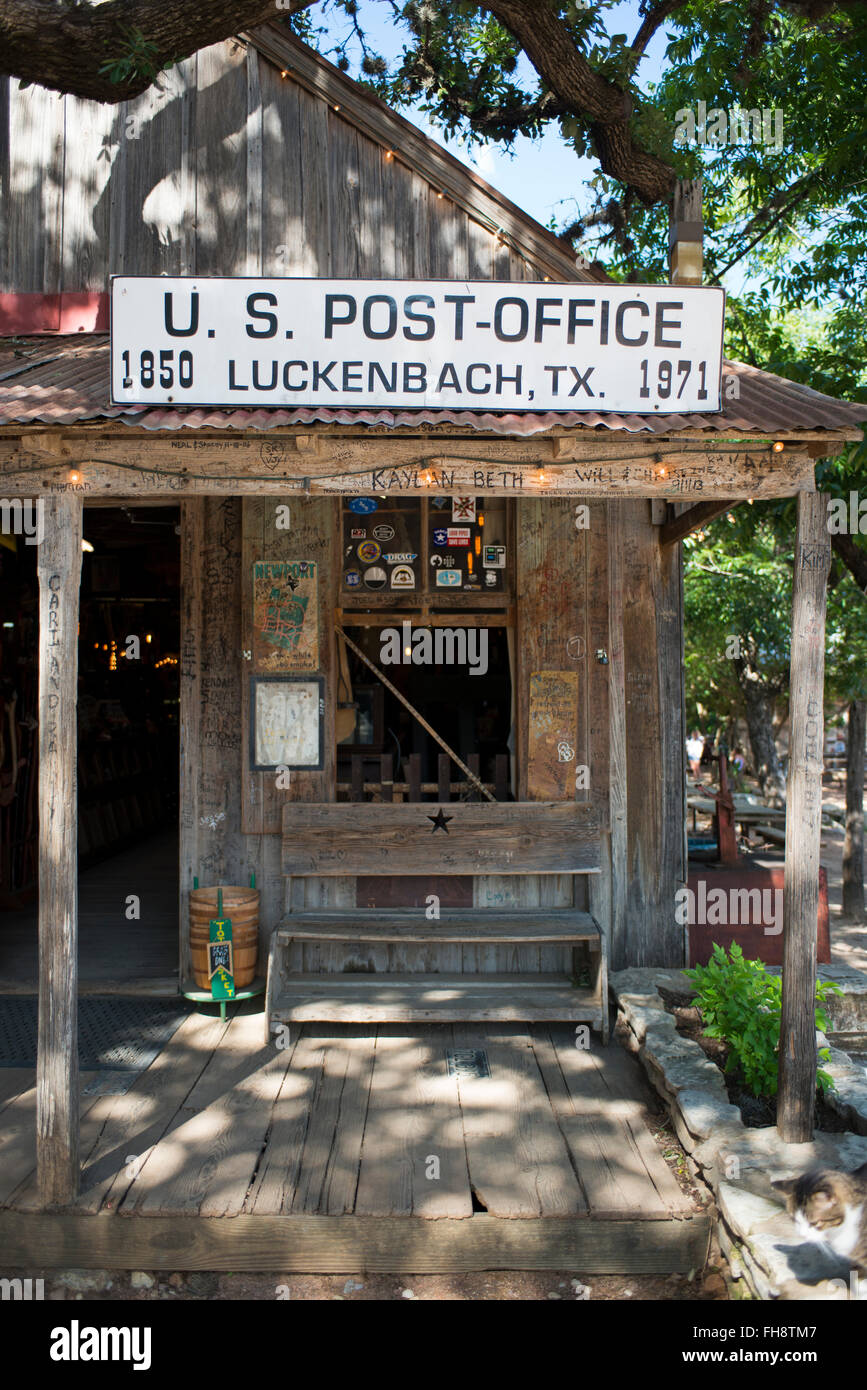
(287, 715)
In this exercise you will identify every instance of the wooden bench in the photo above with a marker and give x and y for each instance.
(450, 838)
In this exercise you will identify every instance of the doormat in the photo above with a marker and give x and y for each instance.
(468, 1062)
(116, 1036)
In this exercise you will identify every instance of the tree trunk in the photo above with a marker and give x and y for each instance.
(853, 847)
(759, 707)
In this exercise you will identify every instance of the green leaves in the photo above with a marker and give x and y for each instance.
(740, 1004)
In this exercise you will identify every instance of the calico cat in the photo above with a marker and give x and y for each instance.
(830, 1208)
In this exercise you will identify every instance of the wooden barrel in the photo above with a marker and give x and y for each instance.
(241, 906)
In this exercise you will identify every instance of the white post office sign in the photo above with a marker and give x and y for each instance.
(468, 345)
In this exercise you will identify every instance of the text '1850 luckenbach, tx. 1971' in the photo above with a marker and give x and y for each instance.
(486, 345)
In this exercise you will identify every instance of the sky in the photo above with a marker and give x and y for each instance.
(544, 177)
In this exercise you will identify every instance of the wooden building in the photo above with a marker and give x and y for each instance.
(256, 157)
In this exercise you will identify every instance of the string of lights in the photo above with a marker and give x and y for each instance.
(425, 463)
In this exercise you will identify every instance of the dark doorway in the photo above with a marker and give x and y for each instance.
(129, 643)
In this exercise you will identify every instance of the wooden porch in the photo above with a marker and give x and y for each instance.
(357, 1148)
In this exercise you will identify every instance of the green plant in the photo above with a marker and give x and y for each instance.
(740, 1003)
(138, 59)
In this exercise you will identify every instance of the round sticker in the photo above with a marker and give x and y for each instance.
(352, 579)
(369, 551)
(375, 578)
(360, 505)
(383, 532)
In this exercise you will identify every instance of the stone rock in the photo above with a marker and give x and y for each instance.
(83, 1280)
(704, 1112)
(646, 979)
(682, 1063)
(176, 1280)
(139, 1279)
(744, 1211)
(203, 1283)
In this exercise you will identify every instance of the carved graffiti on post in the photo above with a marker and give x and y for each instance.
(552, 733)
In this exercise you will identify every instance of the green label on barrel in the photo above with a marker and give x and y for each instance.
(221, 972)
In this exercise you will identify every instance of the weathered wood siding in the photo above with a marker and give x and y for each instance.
(226, 169)
(654, 741)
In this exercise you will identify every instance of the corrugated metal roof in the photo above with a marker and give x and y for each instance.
(62, 381)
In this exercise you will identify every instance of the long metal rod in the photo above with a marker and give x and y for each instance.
(415, 714)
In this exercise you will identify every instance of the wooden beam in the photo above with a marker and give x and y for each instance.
(690, 520)
(797, 1063)
(556, 837)
(59, 572)
(345, 1244)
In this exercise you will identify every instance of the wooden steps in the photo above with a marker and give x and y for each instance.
(454, 926)
(369, 994)
(429, 998)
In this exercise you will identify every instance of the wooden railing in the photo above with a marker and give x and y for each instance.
(414, 789)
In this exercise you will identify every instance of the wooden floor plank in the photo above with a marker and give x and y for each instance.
(14, 1081)
(341, 1182)
(388, 1155)
(518, 1159)
(18, 1179)
(205, 1162)
(617, 1084)
(273, 1187)
(429, 998)
(318, 1154)
(127, 1127)
(439, 1133)
(615, 1171)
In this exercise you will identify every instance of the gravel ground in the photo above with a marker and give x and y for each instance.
(524, 1286)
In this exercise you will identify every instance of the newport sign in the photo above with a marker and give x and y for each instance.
(471, 345)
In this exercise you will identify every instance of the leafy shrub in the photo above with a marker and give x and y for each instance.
(741, 1003)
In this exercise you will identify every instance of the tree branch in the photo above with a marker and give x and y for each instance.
(853, 557)
(64, 45)
(552, 51)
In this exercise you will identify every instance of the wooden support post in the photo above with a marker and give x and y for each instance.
(686, 232)
(797, 1064)
(59, 570)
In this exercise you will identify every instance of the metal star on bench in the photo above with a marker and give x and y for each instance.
(439, 821)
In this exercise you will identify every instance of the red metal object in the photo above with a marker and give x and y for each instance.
(61, 392)
(754, 893)
(724, 818)
(71, 311)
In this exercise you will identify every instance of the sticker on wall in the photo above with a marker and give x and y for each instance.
(383, 532)
(458, 535)
(357, 534)
(375, 578)
(463, 509)
(369, 551)
(396, 557)
(440, 536)
(352, 579)
(285, 616)
(402, 577)
(495, 557)
(490, 578)
(448, 579)
(361, 505)
(447, 561)
(440, 502)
